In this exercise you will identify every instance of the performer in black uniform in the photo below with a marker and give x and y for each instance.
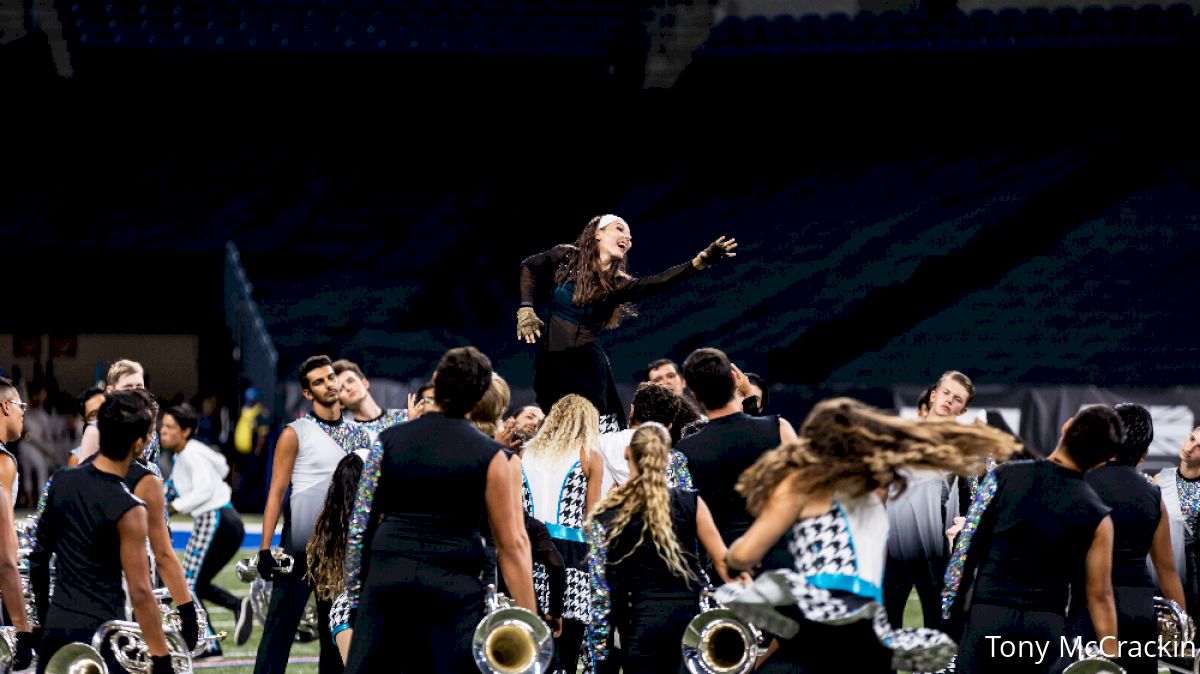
(1032, 526)
(643, 537)
(592, 291)
(1140, 528)
(427, 486)
(97, 528)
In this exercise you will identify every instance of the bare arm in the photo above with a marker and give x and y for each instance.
(89, 444)
(150, 490)
(1101, 604)
(782, 511)
(512, 543)
(133, 532)
(710, 538)
(281, 479)
(786, 432)
(516, 484)
(1163, 557)
(595, 479)
(10, 580)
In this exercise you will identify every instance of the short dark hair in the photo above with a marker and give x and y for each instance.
(761, 383)
(343, 365)
(1139, 433)
(923, 401)
(710, 377)
(184, 415)
(1093, 436)
(311, 363)
(659, 363)
(6, 384)
(86, 396)
(427, 386)
(125, 417)
(463, 376)
(652, 402)
(964, 380)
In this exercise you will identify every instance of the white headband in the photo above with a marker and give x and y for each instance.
(608, 219)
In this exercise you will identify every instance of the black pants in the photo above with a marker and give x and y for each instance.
(415, 617)
(568, 645)
(1018, 630)
(1136, 622)
(651, 633)
(899, 578)
(828, 649)
(289, 596)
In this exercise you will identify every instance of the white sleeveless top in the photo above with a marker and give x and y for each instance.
(317, 457)
(553, 497)
(12, 488)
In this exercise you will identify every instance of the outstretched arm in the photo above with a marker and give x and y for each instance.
(639, 288)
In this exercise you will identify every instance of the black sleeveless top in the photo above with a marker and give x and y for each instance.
(718, 454)
(1035, 536)
(643, 572)
(1135, 514)
(431, 491)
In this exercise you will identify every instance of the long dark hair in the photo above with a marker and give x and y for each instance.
(582, 267)
(327, 548)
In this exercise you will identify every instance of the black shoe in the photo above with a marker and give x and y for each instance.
(245, 622)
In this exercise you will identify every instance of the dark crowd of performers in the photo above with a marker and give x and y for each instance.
(612, 524)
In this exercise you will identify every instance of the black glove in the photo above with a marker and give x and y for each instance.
(161, 664)
(266, 565)
(189, 626)
(713, 254)
(26, 642)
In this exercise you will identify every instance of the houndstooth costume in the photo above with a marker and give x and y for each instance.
(836, 581)
(557, 489)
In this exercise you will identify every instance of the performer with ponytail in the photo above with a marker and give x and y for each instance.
(1140, 528)
(592, 291)
(642, 539)
(825, 487)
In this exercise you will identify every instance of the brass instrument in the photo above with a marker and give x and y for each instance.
(8, 648)
(511, 639)
(128, 647)
(260, 592)
(1177, 634)
(1094, 664)
(717, 641)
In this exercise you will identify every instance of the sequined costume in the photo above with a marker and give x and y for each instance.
(829, 603)
(1182, 499)
(634, 589)
(379, 424)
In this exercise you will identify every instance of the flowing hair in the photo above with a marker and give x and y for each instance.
(647, 493)
(327, 548)
(487, 412)
(592, 285)
(573, 423)
(850, 447)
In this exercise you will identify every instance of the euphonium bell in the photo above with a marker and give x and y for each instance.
(76, 658)
(1177, 634)
(510, 639)
(719, 642)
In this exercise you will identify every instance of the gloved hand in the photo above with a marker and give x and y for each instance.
(267, 565)
(161, 664)
(529, 326)
(26, 643)
(717, 250)
(189, 625)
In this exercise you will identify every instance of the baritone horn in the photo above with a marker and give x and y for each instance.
(76, 658)
(1177, 634)
(717, 641)
(247, 569)
(511, 639)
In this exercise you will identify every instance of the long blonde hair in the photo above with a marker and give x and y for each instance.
(850, 447)
(487, 412)
(647, 493)
(573, 423)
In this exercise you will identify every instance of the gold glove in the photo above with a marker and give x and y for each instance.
(529, 326)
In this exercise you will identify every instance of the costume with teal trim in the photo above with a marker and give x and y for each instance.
(837, 580)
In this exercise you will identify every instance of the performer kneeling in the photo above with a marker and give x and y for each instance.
(642, 540)
(1032, 527)
(427, 483)
(97, 529)
(826, 488)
